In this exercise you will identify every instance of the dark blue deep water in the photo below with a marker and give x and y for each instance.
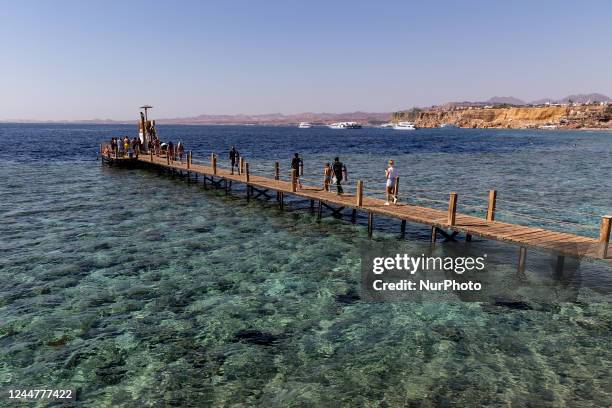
(139, 289)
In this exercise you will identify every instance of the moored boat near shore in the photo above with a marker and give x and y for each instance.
(345, 125)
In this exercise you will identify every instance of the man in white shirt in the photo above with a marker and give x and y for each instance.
(391, 174)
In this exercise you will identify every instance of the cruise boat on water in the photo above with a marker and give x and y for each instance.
(404, 126)
(345, 125)
(304, 125)
(447, 125)
(387, 125)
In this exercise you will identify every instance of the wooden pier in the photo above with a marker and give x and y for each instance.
(446, 224)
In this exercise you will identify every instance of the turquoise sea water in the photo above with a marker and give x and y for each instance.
(139, 289)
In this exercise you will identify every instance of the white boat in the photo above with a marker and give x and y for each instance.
(304, 125)
(404, 126)
(548, 127)
(447, 125)
(386, 125)
(345, 125)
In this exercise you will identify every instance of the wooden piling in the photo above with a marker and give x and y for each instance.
(277, 177)
(359, 193)
(213, 160)
(320, 210)
(559, 266)
(604, 235)
(452, 208)
(434, 234)
(151, 154)
(189, 159)
(396, 188)
(293, 180)
(281, 201)
(301, 168)
(491, 206)
(240, 165)
(248, 176)
(354, 215)
(312, 206)
(522, 260)
(167, 158)
(403, 228)
(370, 224)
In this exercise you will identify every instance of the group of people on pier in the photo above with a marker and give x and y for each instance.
(123, 146)
(333, 173)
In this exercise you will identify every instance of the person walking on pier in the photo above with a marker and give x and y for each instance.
(339, 169)
(170, 151)
(234, 157)
(295, 165)
(391, 175)
(327, 177)
(180, 150)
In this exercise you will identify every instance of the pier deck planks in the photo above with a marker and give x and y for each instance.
(564, 243)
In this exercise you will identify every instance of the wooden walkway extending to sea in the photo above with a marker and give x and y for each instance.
(443, 223)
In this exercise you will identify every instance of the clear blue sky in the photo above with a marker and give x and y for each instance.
(103, 59)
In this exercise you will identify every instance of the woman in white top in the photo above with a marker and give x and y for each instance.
(391, 174)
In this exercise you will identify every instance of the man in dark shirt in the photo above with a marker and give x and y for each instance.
(295, 165)
(233, 156)
(338, 169)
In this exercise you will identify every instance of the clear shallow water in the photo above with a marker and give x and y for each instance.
(139, 289)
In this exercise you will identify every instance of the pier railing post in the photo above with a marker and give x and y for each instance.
(396, 189)
(167, 157)
(359, 194)
(491, 206)
(293, 180)
(189, 160)
(248, 176)
(301, 168)
(276, 171)
(452, 208)
(604, 234)
(213, 163)
(240, 165)
(151, 154)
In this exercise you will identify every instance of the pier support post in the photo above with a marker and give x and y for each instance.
(248, 176)
(320, 211)
(452, 208)
(354, 215)
(167, 158)
(468, 237)
(491, 206)
(370, 224)
(293, 180)
(522, 260)
(151, 155)
(277, 177)
(359, 193)
(213, 163)
(604, 235)
(312, 206)
(240, 166)
(403, 229)
(396, 188)
(434, 234)
(559, 266)
(281, 201)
